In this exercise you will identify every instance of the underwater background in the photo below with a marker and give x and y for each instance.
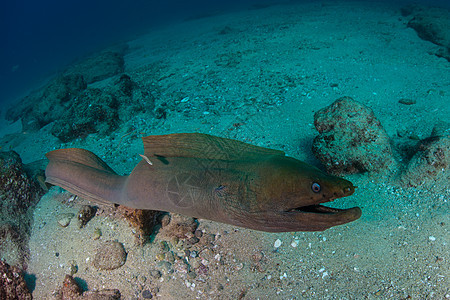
(359, 89)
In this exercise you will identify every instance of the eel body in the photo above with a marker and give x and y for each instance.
(213, 178)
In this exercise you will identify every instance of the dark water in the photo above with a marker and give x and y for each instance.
(41, 37)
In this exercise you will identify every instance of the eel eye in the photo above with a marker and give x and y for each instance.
(315, 187)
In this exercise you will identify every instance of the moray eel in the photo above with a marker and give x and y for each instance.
(213, 178)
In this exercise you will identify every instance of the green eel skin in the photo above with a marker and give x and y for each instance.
(212, 178)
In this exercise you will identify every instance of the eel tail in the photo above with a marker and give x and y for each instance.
(83, 173)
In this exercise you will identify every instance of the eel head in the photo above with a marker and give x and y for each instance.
(290, 198)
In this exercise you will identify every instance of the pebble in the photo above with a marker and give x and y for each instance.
(155, 274)
(97, 234)
(64, 219)
(181, 266)
(407, 101)
(170, 257)
(73, 267)
(165, 220)
(146, 294)
(431, 238)
(277, 243)
(86, 213)
(198, 233)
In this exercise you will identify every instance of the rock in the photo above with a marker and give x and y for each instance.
(71, 291)
(101, 111)
(93, 111)
(432, 24)
(70, 288)
(155, 274)
(12, 283)
(86, 213)
(143, 221)
(47, 104)
(180, 226)
(441, 129)
(64, 219)
(79, 110)
(147, 294)
(407, 101)
(14, 245)
(97, 234)
(125, 85)
(18, 197)
(351, 139)
(100, 66)
(429, 167)
(109, 256)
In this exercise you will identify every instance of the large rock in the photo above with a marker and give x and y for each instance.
(94, 111)
(12, 283)
(78, 109)
(100, 66)
(429, 166)
(351, 139)
(431, 24)
(44, 106)
(18, 195)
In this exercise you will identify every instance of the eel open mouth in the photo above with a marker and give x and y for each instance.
(318, 209)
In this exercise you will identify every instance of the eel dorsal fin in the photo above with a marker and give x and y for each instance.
(80, 156)
(203, 146)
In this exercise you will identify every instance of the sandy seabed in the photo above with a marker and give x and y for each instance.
(259, 76)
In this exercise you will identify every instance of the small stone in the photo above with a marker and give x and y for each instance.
(73, 267)
(163, 246)
(192, 274)
(165, 220)
(147, 294)
(193, 240)
(166, 267)
(110, 255)
(160, 256)
(64, 219)
(198, 234)
(277, 243)
(407, 101)
(97, 234)
(85, 214)
(155, 274)
(181, 266)
(170, 257)
(432, 238)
